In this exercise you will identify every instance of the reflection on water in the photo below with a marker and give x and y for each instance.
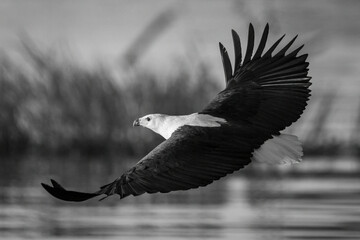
(259, 206)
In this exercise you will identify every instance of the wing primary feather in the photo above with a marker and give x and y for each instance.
(272, 76)
(237, 49)
(198, 177)
(303, 84)
(150, 185)
(226, 63)
(262, 43)
(250, 44)
(72, 196)
(295, 70)
(147, 185)
(289, 64)
(283, 51)
(272, 48)
(135, 189)
(295, 52)
(180, 182)
(56, 185)
(195, 172)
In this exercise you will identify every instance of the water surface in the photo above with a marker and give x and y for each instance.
(304, 201)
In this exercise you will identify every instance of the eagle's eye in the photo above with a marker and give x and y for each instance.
(148, 119)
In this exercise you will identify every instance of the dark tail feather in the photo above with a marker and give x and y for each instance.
(61, 193)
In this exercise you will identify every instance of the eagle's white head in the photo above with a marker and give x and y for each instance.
(153, 122)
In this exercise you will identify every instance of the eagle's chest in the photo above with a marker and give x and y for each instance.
(172, 123)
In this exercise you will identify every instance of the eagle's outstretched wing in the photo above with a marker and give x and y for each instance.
(266, 91)
(190, 158)
(264, 94)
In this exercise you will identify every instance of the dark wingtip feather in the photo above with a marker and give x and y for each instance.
(296, 51)
(226, 63)
(47, 187)
(61, 193)
(56, 185)
(237, 49)
(272, 48)
(262, 42)
(250, 45)
(283, 51)
(251, 27)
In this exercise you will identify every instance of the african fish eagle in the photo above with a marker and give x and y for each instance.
(264, 94)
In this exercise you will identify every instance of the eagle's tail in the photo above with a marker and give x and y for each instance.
(284, 148)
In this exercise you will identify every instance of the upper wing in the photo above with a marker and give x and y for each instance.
(191, 157)
(268, 91)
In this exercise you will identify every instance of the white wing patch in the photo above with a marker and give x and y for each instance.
(204, 120)
(172, 123)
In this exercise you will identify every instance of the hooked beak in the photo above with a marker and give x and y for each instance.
(136, 123)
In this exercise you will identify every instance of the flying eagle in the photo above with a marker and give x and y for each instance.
(264, 94)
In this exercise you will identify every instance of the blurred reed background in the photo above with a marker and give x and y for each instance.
(74, 76)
